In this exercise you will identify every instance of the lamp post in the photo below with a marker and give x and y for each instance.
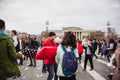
(47, 24)
(108, 24)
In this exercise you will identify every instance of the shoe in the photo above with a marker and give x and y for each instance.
(91, 69)
(17, 76)
(77, 77)
(80, 62)
(34, 66)
(96, 57)
(83, 69)
(43, 71)
(30, 65)
(20, 63)
(110, 77)
(14, 77)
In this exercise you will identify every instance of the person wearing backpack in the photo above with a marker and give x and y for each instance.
(66, 58)
(89, 55)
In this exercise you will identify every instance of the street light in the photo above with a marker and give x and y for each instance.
(109, 30)
(47, 23)
(108, 24)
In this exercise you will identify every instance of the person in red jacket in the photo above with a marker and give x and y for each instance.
(80, 50)
(50, 63)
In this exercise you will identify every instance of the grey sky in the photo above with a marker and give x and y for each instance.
(30, 15)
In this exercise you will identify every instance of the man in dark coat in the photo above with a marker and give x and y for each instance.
(94, 48)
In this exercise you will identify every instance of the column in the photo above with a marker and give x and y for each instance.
(79, 35)
(74, 33)
(76, 36)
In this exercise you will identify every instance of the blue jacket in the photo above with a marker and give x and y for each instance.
(91, 50)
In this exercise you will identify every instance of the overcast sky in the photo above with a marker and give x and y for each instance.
(30, 15)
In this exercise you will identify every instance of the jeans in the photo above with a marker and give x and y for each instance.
(55, 70)
(44, 67)
(52, 68)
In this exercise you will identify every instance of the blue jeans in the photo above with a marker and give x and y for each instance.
(52, 68)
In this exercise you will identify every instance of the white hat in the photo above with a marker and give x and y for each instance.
(57, 40)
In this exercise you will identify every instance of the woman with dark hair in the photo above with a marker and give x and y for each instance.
(68, 46)
(111, 48)
(69, 39)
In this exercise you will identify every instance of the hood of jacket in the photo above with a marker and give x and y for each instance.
(3, 37)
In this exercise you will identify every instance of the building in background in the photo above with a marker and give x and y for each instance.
(79, 33)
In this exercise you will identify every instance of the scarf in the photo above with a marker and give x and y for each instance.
(2, 32)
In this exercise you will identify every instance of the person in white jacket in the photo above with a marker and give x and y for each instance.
(15, 39)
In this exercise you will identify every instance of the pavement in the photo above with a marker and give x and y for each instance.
(100, 72)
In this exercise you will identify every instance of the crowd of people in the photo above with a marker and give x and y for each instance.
(14, 50)
(64, 64)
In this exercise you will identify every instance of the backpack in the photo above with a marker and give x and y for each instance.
(69, 62)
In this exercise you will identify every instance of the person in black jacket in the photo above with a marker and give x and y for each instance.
(22, 47)
(94, 48)
(88, 55)
(32, 46)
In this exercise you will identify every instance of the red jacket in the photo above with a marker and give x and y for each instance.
(46, 52)
(48, 42)
(80, 48)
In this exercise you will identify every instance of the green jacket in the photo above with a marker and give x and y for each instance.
(7, 56)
